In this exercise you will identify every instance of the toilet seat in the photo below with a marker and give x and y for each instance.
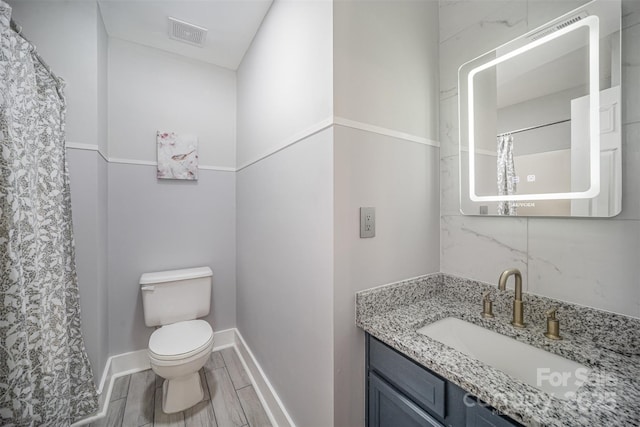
(180, 341)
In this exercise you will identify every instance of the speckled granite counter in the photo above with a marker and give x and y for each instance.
(608, 344)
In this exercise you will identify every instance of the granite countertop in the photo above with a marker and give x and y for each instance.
(606, 343)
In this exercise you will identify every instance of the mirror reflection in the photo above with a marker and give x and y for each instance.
(540, 120)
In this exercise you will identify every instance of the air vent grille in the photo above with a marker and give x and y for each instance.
(559, 26)
(187, 33)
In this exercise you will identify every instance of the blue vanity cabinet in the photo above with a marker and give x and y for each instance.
(401, 393)
(389, 408)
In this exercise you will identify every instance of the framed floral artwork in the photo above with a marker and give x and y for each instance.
(177, 156)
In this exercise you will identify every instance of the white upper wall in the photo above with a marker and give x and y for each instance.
(151, 90)
(71, 50)
(102, 82)
(385, 56)
(285, 79)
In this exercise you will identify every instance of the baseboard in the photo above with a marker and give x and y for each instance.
(136, 361)
(270, 400)
(117, 366)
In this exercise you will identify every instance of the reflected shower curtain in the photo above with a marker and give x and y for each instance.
(506, 174)
(45, 376)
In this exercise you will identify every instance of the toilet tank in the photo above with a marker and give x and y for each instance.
(176, 295)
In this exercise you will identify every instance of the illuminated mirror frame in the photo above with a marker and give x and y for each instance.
(592, 22)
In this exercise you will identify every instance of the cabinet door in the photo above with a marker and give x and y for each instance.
(414, 381)
(390, 408)
(480, 416)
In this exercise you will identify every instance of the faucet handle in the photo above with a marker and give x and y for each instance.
(553, 325)
(487, 305)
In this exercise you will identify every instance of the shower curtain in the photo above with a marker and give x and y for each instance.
(45, 376)
(506, 174)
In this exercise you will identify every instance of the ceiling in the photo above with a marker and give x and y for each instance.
(232, 24)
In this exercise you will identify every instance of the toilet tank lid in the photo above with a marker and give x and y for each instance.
(175, 275)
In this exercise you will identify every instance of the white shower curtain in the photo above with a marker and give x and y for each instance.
(506, 174)
(45, 376)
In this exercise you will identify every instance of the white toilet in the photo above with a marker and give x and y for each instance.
(173, 300)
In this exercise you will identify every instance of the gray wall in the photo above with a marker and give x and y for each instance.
(285, 274)
(88, 177)
(400, 179)
(593, 262)
(159, 225)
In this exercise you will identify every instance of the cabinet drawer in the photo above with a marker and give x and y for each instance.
(481, 416)
(390, 408)
(426, 389)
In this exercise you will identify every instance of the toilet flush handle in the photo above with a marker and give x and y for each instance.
(148, 288)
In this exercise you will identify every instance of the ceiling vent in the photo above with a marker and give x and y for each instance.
(560, 25)
(187, 33)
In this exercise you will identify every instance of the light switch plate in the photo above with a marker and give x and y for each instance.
(367, 222)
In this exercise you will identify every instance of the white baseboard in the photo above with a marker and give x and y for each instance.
(270, 400)
(137, 361)
(117, 366)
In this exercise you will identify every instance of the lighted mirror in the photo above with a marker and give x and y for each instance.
(540, 120)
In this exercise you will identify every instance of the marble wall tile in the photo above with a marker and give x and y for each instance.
(482, 248)
(505, 21)
(449, 126)
(449, 167)
(539, 12)
(458, 15)
(631, 74)
(588, 262)
(630, 169)
(630, 13)
(449, 185)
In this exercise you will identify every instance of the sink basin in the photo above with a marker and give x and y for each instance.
(545, 371)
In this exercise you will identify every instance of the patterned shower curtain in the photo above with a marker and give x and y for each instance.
(506, 174)
(45, 376)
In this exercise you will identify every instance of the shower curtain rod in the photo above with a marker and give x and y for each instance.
(534, 127)
(18, 29)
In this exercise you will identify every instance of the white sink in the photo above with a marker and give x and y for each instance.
(548, 372)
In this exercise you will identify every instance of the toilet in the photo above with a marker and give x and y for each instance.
(181, 345)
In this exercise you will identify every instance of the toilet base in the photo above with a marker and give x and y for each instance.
(181, 393)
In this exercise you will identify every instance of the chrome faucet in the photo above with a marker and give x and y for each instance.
(518, 309)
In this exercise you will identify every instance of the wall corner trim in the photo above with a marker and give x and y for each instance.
(123, 364)
(88, 147)
(93, 147)
(288, 142)
(316, 128)
(330, 122)
(341, 121)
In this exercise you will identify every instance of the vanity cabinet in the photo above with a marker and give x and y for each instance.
(401, 393)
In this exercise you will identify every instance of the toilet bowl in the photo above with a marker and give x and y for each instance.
(182, 344)
(176, 353)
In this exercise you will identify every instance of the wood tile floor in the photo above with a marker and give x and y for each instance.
(229, 399)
